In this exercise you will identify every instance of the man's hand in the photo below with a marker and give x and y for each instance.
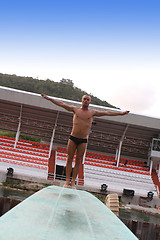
(124, 113)
(45, 96)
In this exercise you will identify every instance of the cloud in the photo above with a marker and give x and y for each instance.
(135, 88)
(135, 96)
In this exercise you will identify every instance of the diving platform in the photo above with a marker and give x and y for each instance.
(62, 213)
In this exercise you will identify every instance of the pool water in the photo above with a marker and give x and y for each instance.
(131, 214)
(123, 213)
(14, 194)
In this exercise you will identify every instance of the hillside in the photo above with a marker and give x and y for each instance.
(63, 89)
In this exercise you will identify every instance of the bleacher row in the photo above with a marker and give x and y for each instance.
(26, 153)
(98, 168)
(36, 155)
(107, 161)
(118, 180)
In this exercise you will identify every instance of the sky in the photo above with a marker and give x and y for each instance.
(110, 49)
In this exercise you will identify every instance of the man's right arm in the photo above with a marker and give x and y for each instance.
(69, 108)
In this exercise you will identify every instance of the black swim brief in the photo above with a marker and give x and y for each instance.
(78, 141)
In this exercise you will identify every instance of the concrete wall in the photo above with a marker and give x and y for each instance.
(2, 176)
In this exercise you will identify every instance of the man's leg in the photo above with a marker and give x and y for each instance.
(79, 158)
(71, 148)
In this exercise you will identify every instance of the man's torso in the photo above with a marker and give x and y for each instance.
(82, 121)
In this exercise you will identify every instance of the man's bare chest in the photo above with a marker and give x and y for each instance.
(83, 115)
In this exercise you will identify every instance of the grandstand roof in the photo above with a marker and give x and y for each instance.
(39, 116)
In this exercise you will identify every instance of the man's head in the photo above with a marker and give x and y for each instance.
(86, 100)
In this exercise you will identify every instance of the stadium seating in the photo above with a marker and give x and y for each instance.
(98, 168)
(108, 161)
(36, 153)
(26, 153)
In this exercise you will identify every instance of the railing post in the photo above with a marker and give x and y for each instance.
(18, 129)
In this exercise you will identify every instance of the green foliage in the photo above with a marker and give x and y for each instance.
(63, 89)
(7, 134)
(29, 138)
(23, 137)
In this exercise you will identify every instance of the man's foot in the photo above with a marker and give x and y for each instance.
(73, 185)
(66, 185)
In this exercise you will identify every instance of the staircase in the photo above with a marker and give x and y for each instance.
(156, 181)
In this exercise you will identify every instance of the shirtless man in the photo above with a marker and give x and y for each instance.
(82, 121)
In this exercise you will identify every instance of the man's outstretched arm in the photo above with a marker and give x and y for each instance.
(69, 108)
(109, 113)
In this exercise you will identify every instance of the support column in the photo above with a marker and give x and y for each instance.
(52, 166)
(116, 156)
(18, 129)
(118, 152)
(151, 166)
(81, 175)
(53, 134)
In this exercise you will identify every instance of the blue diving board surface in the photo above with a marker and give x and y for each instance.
(56, 213)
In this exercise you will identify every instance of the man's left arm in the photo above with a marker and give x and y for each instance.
(109, 113)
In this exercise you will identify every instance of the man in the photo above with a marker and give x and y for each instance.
(82, 121)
